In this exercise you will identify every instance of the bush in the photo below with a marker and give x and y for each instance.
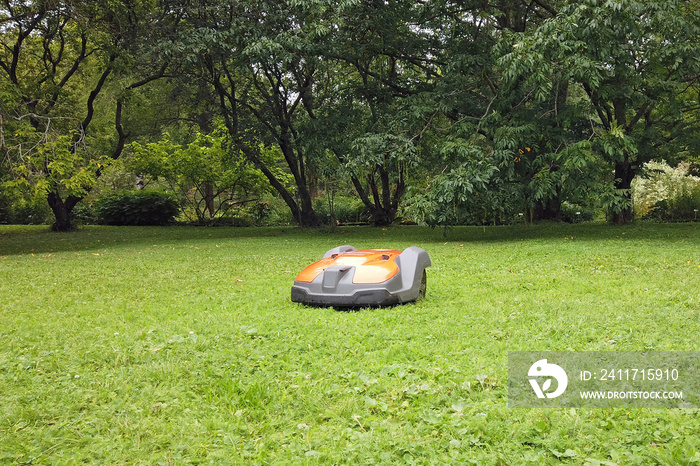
(5, 210)
(347, 210)
(279, 213)
(667, 193)
(251, 214)
(681, 208)
(84, 214)
(32, 211)
(136, 208)
(24, 210)
(573, 213)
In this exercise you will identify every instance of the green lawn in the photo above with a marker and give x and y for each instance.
(181, 345)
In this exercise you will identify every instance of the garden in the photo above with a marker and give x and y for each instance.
(168, 168)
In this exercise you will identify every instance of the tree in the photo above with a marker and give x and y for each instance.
(495, 150)
(204, 173)
(282, 73)
(56, 60)
(635, 61)
(525, 136)
(260, 62)
(379, 114)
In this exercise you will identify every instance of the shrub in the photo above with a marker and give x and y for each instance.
(5, 210)
(250, 214)
(572, 213)
(347, 209)
(279, 213)
(203, 172)
(666, 193)
(681, 208)
(31, 211)
(136, 208)
(24, 210)
(84, 214)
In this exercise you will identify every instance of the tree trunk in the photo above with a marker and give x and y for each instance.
(305, 214)
(295, 160)
(61, 212)
(308, 218)
(333, 223)
(209, 199)
(549, 209)
(624, 174)
(308, 215)
(383, 216)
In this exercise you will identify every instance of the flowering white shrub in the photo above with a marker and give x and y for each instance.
(661, 184)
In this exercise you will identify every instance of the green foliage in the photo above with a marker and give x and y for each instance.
(136, 208)
(480, 109)
(472, 194)
(84, 214)
(205, 170)
(613, 200)
(25, 210)
(681, 208)
(667, 193)
(278, 212)
(5, 208)
(257, 213)
(346, 209)
(386, 150)
(67, 69)
(616, 145)
(269, 211)
(635, 75)
(574, 213)
(73, 172)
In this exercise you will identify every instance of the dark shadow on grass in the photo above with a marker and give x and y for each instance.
(583, 231)
(20, 239)
(353, 309)
(16, 240)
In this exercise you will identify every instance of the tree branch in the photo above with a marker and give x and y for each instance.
(594, 100)
(545, 6)
(69, 74)
(91, 101)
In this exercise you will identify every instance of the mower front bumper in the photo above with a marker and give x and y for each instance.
(360, 298)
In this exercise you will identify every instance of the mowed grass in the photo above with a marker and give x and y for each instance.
(181, 346)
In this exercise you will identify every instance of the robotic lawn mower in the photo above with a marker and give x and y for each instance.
(346, 277)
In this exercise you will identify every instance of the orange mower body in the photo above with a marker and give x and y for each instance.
(346, 277)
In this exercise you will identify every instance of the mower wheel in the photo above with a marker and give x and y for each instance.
(423, 286)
